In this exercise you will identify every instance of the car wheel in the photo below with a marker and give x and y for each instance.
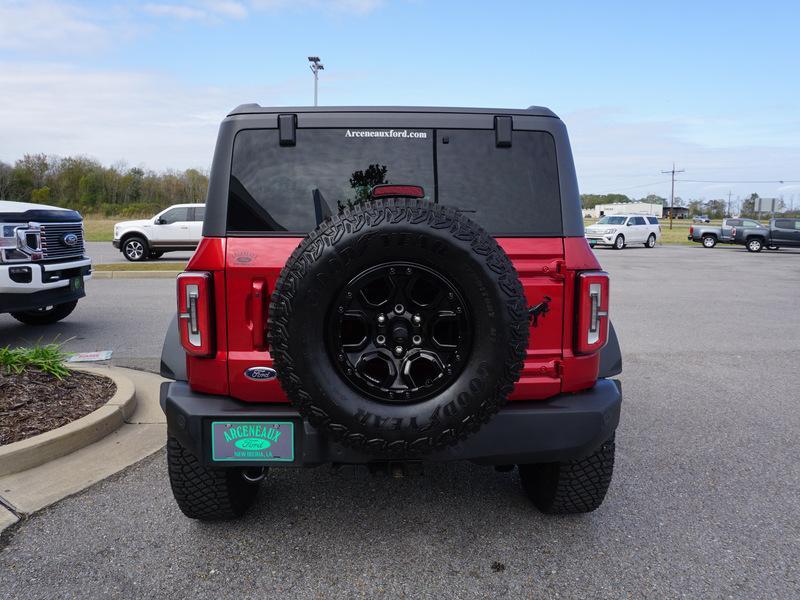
(367, 330)
(45, 315)
(207, 493)
(754, 245)
(651, 241)
(619, 243)
(135, 249)
(576, 486)
(709, 241)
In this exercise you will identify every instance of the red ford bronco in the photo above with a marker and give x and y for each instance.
(385, 287)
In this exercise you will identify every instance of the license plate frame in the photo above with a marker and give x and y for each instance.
(253, 441)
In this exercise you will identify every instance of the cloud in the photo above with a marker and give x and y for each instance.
(225, 9)
(178, 11)
(43, 26)
(360, 7)
(112, 115)
(198, 11)
(233, 10)
(615, 152)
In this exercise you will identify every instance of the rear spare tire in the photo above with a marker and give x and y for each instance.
(398, 327)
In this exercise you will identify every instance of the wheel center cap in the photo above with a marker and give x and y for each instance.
(400, 331)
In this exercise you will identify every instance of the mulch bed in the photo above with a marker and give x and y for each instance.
(33, 402)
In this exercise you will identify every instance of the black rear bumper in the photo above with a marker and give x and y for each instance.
(566, 427)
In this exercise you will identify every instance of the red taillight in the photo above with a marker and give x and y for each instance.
(398, 191)
(195, 313)
(591, 332)
(691, 230)
(733, 231)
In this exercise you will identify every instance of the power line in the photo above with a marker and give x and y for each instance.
(733, 181)
(672, 192)
(633, 187)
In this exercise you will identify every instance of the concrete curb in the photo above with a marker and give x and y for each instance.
(142, 433)
(135, 274)
(39, 449)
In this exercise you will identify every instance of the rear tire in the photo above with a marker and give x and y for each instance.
(135, 249)
(651, 241)
(577, 486)
(754, 245)
(709, 241)
(619, 243)
(206, 493)
(46, 315)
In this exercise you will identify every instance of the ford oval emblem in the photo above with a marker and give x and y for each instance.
(69, 239)
(260, 373)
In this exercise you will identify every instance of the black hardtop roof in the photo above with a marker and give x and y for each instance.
(248, 109)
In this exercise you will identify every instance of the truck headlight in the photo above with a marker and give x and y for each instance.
(612, 230)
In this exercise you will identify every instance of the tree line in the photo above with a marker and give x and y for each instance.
(93, 189)
(86, 185)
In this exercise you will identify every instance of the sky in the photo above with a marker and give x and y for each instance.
(711, 86)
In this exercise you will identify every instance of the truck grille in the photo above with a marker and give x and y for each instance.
(53, 244)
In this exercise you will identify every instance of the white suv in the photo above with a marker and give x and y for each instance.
(619, 231)
(178, 227)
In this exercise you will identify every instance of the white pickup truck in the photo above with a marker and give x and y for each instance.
(43, 265)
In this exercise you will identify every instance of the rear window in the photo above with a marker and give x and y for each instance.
(291, 189)
(638, 221)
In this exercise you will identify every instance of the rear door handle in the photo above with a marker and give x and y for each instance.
(258, 290)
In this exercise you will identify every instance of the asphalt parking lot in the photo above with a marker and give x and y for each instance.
(705, 500)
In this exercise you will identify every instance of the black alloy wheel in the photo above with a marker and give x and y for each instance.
(400, 332)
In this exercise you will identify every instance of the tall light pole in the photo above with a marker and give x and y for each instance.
(316, 67)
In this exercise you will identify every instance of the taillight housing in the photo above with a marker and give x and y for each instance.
(196, 313)
(591, 332)
(691, 230)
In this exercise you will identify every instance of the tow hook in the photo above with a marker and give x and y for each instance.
(539, 309)
(254, 475)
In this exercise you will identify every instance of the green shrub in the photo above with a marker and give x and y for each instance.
(48, 358)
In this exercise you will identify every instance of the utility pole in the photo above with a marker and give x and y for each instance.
(730, 214)
(316, 67)
(672, 193)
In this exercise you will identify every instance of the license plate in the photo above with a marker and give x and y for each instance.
(252, 441)
(592, 243)
(76, 284)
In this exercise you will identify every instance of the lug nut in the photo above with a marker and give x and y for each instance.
(381, 319)
(399, 309)
(381, 340)
(417, 319)
(398, 349)
(417, 340)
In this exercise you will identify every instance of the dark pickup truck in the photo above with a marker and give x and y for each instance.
(780, 233)
(709, 235)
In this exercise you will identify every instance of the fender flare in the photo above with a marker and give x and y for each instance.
(610, 355)
(173, 357)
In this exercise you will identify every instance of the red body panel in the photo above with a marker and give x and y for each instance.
(246, 269)
(210, 375)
